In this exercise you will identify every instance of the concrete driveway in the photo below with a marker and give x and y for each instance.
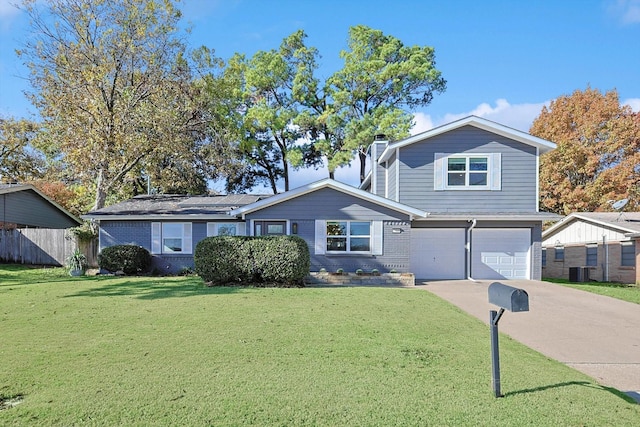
(594, 334)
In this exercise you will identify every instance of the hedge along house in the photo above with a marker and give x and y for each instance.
(458, 201)
(594, 246)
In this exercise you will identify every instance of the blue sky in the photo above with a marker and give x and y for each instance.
(502, 59)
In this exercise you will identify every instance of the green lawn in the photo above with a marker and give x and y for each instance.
(630, 293)
(108, 351)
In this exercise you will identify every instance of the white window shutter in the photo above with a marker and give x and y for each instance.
(376, 237)
(212, 229)
(321, 237)
(156, 238)
(241, 228)
(496, 172)
(439, 171)
(186, 238)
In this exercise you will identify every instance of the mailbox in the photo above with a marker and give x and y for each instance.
(508, 297)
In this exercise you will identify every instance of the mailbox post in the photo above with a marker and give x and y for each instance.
(507, 298)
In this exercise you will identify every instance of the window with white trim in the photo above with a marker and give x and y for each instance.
(171, 238)
(225, 229)
(467, 171)
(348, 237)
(592, 255)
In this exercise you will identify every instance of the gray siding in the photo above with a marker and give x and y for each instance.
(139, 233)
(518, 193)
(380, 180)
(392, 166)
(327, 204)
(29, 209)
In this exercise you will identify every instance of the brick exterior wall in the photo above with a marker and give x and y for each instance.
(576, 256)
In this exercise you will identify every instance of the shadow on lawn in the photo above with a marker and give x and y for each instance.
(154, 288)
(611, 390)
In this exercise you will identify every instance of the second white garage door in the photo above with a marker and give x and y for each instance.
(438, 253)
(500, 253)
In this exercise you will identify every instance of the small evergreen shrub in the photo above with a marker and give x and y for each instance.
(130, 259)
(248, 260)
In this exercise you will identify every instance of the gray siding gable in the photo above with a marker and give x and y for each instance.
(519, 176)
(27, 207)
(328, 204)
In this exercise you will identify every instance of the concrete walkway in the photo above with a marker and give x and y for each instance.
(594, 334)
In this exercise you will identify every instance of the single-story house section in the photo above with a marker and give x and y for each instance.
(600, 246)
(169, 226)
(458, 201)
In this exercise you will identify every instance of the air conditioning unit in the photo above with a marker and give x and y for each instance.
(579, 274)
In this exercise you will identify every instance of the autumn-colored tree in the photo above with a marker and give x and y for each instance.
(112, 83)
(597, 159)
(20, 160)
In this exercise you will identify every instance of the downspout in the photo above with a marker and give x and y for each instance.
(467, 247)
(605, 270)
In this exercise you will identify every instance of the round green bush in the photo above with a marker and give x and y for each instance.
(130, 259)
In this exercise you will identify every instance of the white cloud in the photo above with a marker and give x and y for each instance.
(634, 103)
(627, 11)
(8, 13)
(422, 123)
(517, 116)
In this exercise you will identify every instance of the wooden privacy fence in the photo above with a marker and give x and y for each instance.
(42, 246)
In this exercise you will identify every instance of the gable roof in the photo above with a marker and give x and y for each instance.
(174, 206)
(335, 185)
(627, 223)
(542, 144)
(54, 215)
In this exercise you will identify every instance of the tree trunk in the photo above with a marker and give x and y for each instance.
(101, 193)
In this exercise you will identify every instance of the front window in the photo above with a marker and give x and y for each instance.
(348, 236)
(592, 256)
(224, 229)
(171, 238)
(467, 171)
(269, 228)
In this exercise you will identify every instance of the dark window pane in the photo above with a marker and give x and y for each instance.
(477, 179)
(360, 244)
(456, 179)
(337, 244)
(478, 164)
(335, 228)
(172, 245)
(457, 164)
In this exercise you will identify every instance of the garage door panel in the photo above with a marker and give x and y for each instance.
(438, 253)
(500, 253)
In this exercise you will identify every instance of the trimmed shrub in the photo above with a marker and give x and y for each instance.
(247, 260)
(130, 259)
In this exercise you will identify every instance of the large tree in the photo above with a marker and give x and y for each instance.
(111, 82)
(597, 159)
(382, 80)
(20, 159)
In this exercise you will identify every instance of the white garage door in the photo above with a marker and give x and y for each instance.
(438, 253)
(500, 253)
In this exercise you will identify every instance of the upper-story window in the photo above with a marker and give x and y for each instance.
(467, 171)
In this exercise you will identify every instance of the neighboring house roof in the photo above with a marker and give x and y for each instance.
(542, 144)
(174, 206)
(34, 210)
(627, 223)
(335, 185)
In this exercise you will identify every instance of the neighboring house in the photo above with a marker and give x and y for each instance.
(23, 206)
(458, 201)
(601, 246)
(33, 227)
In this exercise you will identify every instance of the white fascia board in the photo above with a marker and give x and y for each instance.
(335, 185)
(491, 217)
(367, 181)
(542, 144)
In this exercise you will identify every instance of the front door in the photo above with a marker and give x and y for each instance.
(269, 228)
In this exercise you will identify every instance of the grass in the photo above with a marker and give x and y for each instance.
(625, 292)
(170, 351)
